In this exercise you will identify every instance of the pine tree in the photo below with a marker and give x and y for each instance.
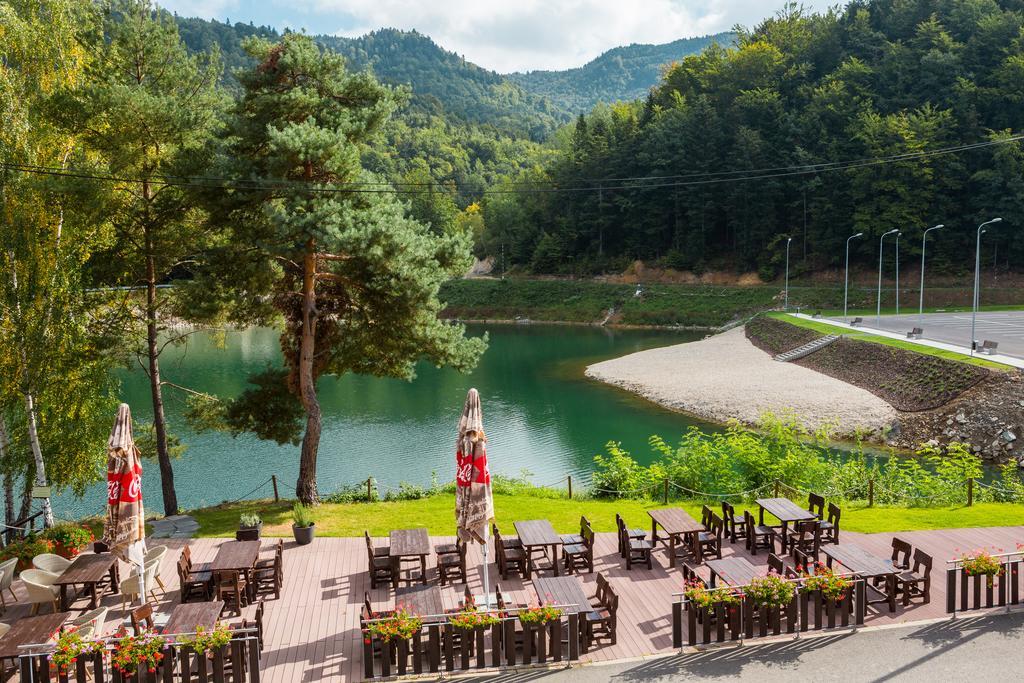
(354, 279)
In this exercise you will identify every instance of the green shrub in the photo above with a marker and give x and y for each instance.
(302, 515)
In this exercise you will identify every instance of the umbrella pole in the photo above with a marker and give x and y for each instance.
(487, 589)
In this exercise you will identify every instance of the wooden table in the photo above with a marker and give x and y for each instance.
(88, 570)
(538, 533)
(29, 631)
(734, 571)
(567, 593)
(785, 511)
(185, 618)
(867, 566)
(423, 601)
(409, 544)
(238, 556)
(676, 523)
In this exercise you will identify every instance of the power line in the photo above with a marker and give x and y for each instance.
(537, 187)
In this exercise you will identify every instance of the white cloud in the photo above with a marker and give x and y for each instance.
(507, 35)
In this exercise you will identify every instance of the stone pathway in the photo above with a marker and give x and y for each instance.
(175, 526)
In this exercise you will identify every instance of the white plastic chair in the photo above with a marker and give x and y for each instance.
(4, 628)
(156, 553)
(48, 562)
(93, 618)
(7, 581)
(41, 590)
(130, 587)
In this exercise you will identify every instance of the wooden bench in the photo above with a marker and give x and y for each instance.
(856, 322)
(915, 333)
(988, 347)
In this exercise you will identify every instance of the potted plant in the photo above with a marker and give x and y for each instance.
(303, 526)
(25, 549)
(771, 591)
(133, 654)
(982, 563)
(69, 539)
(824, 580)
(207, 642)
(249, 526)
(471, 618)
(539, 615)
(399, 625)
(70, 646)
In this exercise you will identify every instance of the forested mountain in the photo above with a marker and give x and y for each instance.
(622, 73)
(739, 142)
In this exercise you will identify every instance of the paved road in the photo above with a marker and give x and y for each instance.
(978, 649)
(1006, 327)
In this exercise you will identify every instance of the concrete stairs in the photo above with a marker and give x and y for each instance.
(807, 349)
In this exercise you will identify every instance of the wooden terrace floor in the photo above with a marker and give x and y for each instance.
(312, 631)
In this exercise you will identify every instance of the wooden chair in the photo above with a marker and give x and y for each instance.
(778, 566)
(270, 578)
(509, 556)
(625, 534)
(758, 535)
(691, 574)
(602, 619)
(806, 536)
(142, 619)
(451, 566)
(637, 548)
(193, 586)
(816, 504)
(705, 516)
(576, 539)
(580, 555)
(830, 527)
(381, 569)
(901, 551)
(231, 588)
(804, 564)
(916, 582)
(709, 543)
(734, 528)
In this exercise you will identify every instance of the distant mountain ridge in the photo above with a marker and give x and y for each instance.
(622, 73)
(445, 84)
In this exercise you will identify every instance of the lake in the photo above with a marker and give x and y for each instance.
(541, 415)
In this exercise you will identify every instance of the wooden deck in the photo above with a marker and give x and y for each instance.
(312, 631)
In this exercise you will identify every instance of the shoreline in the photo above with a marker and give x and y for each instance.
(578, 323)
(725, 377)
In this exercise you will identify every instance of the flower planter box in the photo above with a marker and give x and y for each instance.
(249, 533)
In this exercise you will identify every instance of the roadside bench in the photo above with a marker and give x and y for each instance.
(915, 333)
(988, 347)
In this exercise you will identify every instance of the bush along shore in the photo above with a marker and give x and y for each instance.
(941, 402)
(931, 490)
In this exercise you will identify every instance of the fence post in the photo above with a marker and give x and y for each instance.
(569, 478)
(970, 491)
(775, 490)
(666, 490)
(273, 480)
(871, 493)
(369, 490)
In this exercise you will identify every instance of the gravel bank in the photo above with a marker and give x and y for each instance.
(726, 377)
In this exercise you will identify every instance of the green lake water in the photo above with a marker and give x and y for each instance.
(540, 412)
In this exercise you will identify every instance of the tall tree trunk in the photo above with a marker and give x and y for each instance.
(37, 454)
(5, 456)
(26, 496)
(155, 388)
(305, 486)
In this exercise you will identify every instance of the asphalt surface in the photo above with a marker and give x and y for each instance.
(1005, 327)
(976, 649)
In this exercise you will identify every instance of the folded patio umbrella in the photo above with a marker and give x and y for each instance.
(474, 504)
(125, 528)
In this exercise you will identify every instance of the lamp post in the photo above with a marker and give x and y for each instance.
(878, 313)
(920, 306)
(898, 272)
(785, 303)
(846, 280)
(977, 278)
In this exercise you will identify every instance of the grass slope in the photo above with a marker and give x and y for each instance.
(437, 514)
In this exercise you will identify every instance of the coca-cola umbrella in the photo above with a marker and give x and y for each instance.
(125, 530)
(474, 504)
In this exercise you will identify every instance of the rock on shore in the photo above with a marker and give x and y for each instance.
(726, 377)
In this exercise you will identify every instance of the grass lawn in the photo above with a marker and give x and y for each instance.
(825, 328)
(437, 514)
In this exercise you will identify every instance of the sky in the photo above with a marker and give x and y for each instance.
(506, 36)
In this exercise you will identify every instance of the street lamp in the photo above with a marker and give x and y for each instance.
(898, 272)
(920, 306)
(878, 314)
(785, 303)
(846, 281)
(977, 278)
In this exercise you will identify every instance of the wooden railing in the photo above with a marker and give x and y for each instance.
(807, 611)
(236, 662)
(965, 592)
(440, 646)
